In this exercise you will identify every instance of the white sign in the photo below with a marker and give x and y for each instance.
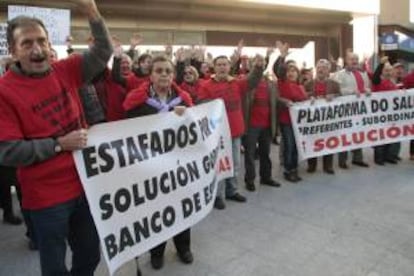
(148, 179)
(57, 21)
(349, 122)
(3, 41)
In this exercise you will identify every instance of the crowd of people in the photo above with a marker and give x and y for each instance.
(47, 104)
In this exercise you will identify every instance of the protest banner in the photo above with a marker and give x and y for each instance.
(148, 179)
(57, 21)
(4, 51)
(352, 122)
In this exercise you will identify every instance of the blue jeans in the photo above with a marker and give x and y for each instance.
(71, 221)
(228, 187)
(290, 152)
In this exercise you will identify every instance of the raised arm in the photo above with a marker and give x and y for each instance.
(95, 59)
(279, 67)
(376, 78)
(116, 65)
(179, 66)
(254, 76)
(135, 41)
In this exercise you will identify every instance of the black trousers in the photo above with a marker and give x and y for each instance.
(263, 138)
(327, 161)
(182, 244)
(7, 179)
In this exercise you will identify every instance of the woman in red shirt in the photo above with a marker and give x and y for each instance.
(187, 77)
(290, 91)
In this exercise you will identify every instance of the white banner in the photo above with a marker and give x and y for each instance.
(349, 122)
(149, 178)
(57, 21)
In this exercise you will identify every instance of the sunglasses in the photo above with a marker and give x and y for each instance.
(168, 71)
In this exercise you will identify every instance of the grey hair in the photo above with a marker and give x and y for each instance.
(125, 56)
(324, 62)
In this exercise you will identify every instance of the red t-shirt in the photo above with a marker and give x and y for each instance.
(231, 92)
(34, 108)
(320, 89)
(133, 82)
(385, 85)
(291, 91)
(260, 112)
(192, 89)
(409, 80)
(111, 96)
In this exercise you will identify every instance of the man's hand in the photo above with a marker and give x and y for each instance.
(118, 50)
(74, 140)
(179, 110)
(179, 55)
(283, 48)
(168, 49)
(384, 59)
(89, 7)
(136, 40)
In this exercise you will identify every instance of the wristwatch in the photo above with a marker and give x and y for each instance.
(57, 147)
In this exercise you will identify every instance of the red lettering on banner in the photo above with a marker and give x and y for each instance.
(393, 132)
(224, 164)
(371, 134)
(408, 130)
(332, 142)
(345, 142)
(356, 138)
(359, 135)
(318, 145)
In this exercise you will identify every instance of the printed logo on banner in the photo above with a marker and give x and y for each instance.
(57, 21)
(150, 178)
(348, 122)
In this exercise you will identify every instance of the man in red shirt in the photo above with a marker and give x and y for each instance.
(42, 122)
(231, 90)
(260, 110)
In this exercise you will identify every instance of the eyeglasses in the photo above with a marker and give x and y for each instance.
(188, 73)
(168, 71)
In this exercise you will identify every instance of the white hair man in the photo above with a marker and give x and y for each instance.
(352, 81)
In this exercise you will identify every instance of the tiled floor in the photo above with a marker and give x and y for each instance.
(358, 222)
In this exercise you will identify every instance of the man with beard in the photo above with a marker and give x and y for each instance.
(42, 123)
